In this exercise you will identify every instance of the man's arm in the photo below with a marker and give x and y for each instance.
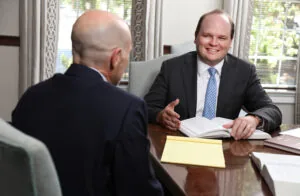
(159, 110)
(262, 113)
(258, 103)
(132, 169)
(156, 98)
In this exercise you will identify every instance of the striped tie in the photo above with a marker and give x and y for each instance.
(209, 110)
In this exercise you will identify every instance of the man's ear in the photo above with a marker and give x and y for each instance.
(115, 58)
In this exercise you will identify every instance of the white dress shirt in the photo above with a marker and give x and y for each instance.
(202, 81)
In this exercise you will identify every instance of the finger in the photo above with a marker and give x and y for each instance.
(172, 114)
(250, 133)
(172, 125)
(235, 125)
(238, 128)
(242, 130)
(173, 104)
(228, 125)
(245, 132)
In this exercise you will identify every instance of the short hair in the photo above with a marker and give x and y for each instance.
(216, 11)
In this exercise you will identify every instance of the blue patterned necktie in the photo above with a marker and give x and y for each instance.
(209, 110)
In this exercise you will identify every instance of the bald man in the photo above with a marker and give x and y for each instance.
(96, 133)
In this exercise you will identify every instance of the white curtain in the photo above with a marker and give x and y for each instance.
(38, 41)
(241, 12)
(297, 97)
(153, 32)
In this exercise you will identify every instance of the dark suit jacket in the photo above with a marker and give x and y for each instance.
(239, 87)
(96, 134)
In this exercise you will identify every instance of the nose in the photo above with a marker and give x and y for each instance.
(213, 41)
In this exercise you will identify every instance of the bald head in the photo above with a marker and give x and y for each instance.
(95, 34)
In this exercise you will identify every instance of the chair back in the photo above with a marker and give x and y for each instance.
(26, 167)
(183, 47)
(143, 73)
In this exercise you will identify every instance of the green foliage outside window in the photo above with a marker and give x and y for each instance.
(122, 8)
(275, 39)
(109, 5)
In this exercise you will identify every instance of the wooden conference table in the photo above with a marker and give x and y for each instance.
(240, 177)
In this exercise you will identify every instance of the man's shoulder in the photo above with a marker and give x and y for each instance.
(181, 60)
(123, 94)
(42, 86)
(117, 94)
(233, 59)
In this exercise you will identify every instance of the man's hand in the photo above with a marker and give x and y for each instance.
(168, 117)
(242, 127)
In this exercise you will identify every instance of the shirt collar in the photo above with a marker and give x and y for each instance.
(103, 77)
(203, 67)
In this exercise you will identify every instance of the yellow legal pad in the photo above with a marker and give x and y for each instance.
(193, 151)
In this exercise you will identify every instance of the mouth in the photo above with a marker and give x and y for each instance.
(212, 51)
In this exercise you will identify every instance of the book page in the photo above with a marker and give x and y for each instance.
(193, 151)
(203, 127)
(292, 132)
(289, 173)
(281, 179)
(221, 121)
(258, 134)
(274, 159)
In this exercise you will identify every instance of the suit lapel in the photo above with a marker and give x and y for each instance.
(228, 72)
(189, 76)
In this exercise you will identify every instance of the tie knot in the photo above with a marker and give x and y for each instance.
(212, 71)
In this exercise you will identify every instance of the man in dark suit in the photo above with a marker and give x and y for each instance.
(180, 89)
(96, 132)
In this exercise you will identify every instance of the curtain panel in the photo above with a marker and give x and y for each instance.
(146, 28)
(38, 41)
(241, 13)
(154, 48)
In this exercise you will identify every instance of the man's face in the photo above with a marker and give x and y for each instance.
(213, 40)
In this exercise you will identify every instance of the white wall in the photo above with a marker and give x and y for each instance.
(180, 18)
(9, 17)
(285, 100)
(9, 67)
(9, 58)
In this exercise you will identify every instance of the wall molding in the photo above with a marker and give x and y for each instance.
(138, 28)
(6, 40)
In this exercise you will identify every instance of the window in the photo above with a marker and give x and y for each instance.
(274, 42)
(70, 10)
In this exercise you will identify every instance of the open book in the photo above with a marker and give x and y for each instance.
(205, 128)
(292, 132)
(280, 172)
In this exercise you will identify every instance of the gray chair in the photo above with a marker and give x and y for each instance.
(26, 167)
(143, 73)
(183, 47)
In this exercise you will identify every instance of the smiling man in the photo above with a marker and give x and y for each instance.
(209, 82)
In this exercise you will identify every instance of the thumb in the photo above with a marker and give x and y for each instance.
(173, 104)
(228, 125)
